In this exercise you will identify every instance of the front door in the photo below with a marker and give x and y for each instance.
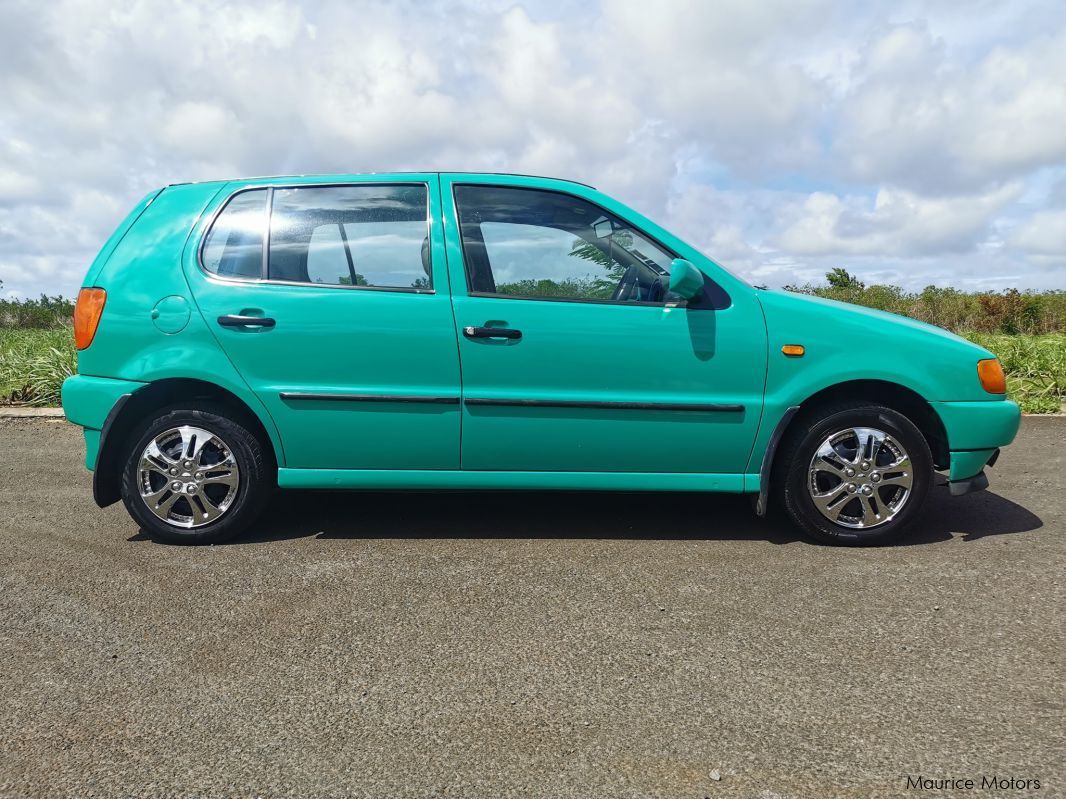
(341, 323)
(575, 358)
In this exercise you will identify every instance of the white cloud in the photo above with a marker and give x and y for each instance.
(911, 140)
(898, 222)
(1043, 234)
(920, 119)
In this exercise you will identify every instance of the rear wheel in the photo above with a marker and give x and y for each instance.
(195, 475)
(856, 475)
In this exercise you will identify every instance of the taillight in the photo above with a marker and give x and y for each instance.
(87, 312)
(990, 372)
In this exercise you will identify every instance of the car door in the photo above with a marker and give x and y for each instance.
(574, 356)
(327, 299)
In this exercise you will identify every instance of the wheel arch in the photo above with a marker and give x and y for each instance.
(134, 408)
(899, 398)
(892, 395)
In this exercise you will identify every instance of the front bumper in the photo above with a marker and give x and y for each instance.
(87, 401)
(976, 431)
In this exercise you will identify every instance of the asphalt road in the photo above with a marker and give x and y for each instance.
(547, 645)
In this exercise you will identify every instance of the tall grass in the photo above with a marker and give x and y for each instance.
(1035, 367)
(34, 363)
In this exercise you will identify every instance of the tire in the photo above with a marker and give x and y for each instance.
(888, 495)
(224, 476)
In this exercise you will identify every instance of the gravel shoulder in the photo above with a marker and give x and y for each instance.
(537, 644)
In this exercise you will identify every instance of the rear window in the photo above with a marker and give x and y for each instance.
(364, 236)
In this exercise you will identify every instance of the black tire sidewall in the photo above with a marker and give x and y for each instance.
(797, 499)
(247, 450)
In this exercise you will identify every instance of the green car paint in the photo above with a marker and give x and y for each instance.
(143, 269)
(376, 388)
(345, 341)
(586, 352)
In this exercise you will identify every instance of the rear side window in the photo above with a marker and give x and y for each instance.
(372, 236)
(234, 245)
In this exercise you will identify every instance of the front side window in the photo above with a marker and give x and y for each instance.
(325, 235)
(350, 236)
(548, 245)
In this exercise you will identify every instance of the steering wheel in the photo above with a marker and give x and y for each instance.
(632, 289)
(628, 287)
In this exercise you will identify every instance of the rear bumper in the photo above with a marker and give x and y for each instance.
(89, 401)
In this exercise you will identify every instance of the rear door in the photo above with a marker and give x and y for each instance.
(575, 357)
(331, 300)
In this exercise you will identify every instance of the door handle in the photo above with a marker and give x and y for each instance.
(236, 320)
(492, 332)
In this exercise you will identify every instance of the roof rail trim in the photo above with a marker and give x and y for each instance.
(342, 175)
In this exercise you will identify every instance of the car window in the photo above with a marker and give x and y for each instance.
(234, 245)
(351, 236)
(549, 245)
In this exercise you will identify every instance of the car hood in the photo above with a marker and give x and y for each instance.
(846, 315)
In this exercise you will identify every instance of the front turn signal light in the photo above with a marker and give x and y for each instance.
(87, 312)
(990, 372)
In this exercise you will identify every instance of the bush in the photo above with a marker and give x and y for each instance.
(1011, 312)
(43, 313)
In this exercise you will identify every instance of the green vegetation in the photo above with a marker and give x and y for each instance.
(1035, 367)
(1026, 330)
(34, 362)
(1011, 312)
(46, 312)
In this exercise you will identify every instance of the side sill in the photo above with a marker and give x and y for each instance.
(380, 479)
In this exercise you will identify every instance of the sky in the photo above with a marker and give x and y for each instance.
(913, 143)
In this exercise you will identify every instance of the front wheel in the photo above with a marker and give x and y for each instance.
(857, 475)
(195, 475)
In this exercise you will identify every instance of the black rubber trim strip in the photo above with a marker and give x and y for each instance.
(768, 459)
(958, 488)
(623, 406)
(105, 489)
(304, 395)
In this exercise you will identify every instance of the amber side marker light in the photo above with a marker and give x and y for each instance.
(990, 372)
(87, 312)
(793, 350)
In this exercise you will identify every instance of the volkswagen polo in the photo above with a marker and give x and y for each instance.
(482, 331)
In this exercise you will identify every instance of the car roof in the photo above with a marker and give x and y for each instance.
(341, 176)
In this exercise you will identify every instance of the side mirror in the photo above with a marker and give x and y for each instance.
(685, 279)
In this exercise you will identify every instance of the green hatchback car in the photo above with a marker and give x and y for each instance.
(483, 331)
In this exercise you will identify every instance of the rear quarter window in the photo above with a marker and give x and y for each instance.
(234, 245)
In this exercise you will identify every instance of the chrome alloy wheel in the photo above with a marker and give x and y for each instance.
(860, 478)
(188, 476)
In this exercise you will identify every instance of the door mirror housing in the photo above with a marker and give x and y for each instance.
(685, 279)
